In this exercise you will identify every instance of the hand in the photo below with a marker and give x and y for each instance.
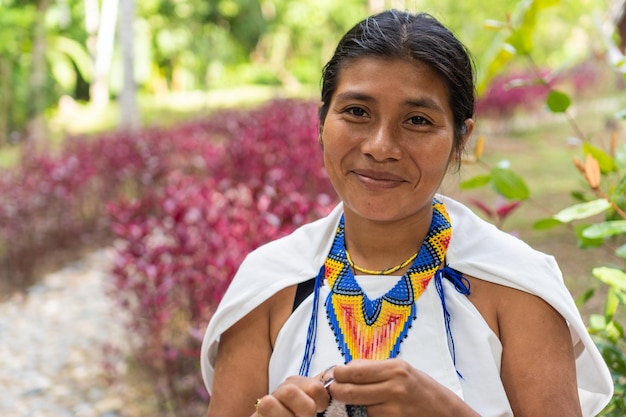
(393, 388)
(297, 396)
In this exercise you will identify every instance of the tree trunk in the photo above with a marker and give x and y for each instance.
(129, 113)
(92, 21)
(38, 75)
(5, 100)
(99, 91)
(620, 23)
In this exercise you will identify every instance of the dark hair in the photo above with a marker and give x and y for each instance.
(393, 34)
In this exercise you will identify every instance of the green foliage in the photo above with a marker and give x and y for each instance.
(583, 210)
(605, 161)
(558, 102)
(604, 172)
(503, 180)
(508, 184)
(516, 37)
(15, 42)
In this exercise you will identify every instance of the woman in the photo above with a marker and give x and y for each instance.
(401, 302)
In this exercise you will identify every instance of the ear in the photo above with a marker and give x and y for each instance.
(321, 127)
(466, 131)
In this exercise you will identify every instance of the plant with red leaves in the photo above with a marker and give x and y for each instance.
(179, 244)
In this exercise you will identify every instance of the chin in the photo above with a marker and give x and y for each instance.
(387, 211)
(378, 214)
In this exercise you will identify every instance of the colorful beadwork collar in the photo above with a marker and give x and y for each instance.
(374, 329)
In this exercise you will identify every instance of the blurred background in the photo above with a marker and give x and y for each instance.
(147, 145)
(123, 62)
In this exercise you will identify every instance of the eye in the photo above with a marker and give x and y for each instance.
(419, 121)
(355, 111)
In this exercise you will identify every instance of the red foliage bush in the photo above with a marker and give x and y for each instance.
(507, 94)
(525, 91)
(184, 206)
(179, 245)
(53, 202)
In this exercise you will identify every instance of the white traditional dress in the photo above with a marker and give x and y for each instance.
(477, 249)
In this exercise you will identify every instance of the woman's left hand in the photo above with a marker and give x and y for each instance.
(393, 388)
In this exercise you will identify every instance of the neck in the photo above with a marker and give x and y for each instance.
(379, 245)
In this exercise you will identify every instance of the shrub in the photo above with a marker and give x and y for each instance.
(184, 205)
(52, 203)
(527, 90)
(604, 172)
(179, 244)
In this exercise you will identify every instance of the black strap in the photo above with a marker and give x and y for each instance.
(303, 290)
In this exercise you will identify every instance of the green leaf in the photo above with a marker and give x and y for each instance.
(621, 252)
(583, 242)
(546, 224)
(583, 210)
(605, 229)
(579, 195)
(606, 162)
(77, 53)
(614, 330)
(525, 18)
(498, 57)
(522, 41)
(611, 304)
(558, 102)
(613, 277)
(508, 184)
(597, 322)
(544, 4)
(475, 182)
(584, 297)
(62, 69)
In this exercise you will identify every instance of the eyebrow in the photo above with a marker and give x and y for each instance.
(425, 102)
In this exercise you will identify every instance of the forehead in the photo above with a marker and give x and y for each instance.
(403, 79)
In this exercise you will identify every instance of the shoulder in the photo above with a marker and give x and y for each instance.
(505, 308)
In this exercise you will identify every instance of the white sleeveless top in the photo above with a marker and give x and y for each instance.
(477, 249)
(478, 350)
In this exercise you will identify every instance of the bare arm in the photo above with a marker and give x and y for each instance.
(538, 362)
(242, 365)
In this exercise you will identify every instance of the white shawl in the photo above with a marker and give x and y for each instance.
(477, 249)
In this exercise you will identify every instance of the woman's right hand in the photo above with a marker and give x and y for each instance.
(299, 396)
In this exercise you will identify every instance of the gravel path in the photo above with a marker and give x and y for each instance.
(52, 348)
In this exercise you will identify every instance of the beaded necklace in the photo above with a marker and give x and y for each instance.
(374, 329)
(386, 271)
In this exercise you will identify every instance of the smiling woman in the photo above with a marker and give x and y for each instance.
(388, 137)
(401, 302)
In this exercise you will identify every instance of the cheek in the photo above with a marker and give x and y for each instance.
(334, 146)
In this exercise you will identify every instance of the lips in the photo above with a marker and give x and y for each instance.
(378, 178)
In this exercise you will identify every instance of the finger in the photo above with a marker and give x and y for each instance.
(371, 382)
(302, 396)
(358, 394)
(362, 372)
(317, 390)
(373, 371)
(278, 405)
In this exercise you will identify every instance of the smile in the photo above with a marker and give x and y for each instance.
(378, 179)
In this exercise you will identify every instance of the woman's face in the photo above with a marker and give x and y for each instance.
(388, 137)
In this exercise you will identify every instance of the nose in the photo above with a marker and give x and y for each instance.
(382, 143)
